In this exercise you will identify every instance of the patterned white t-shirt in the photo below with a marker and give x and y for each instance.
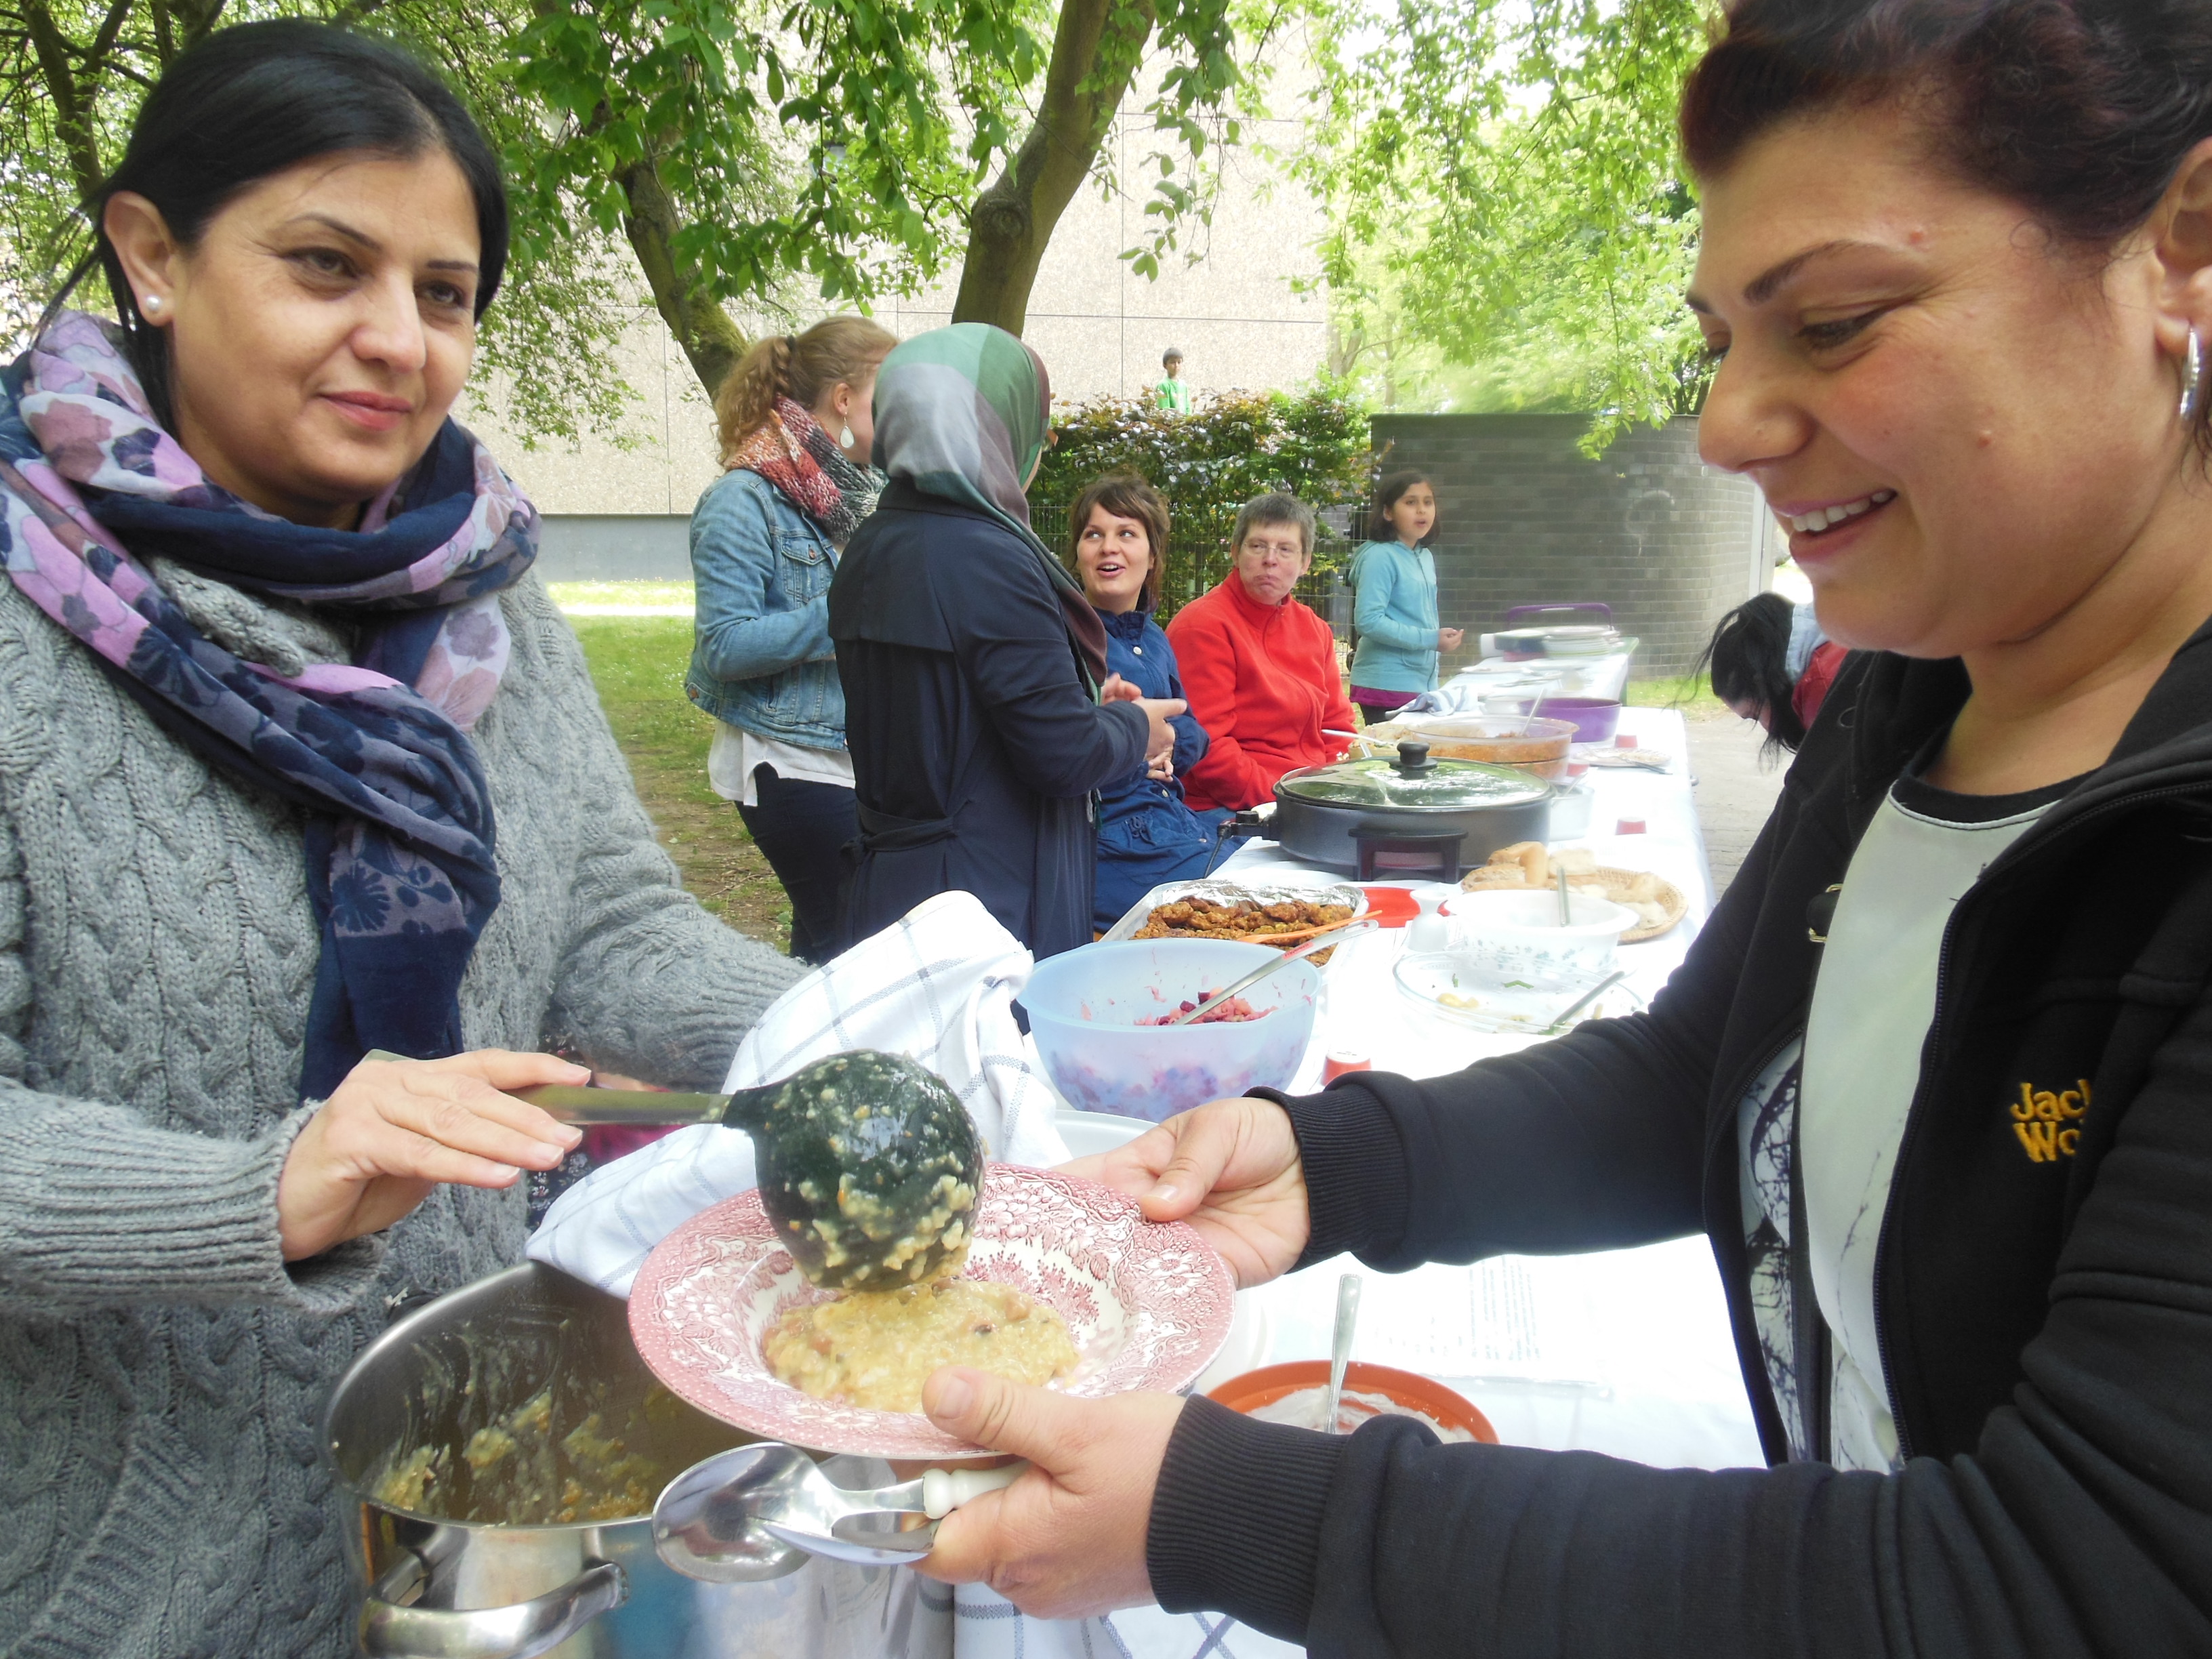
(1840, 1097)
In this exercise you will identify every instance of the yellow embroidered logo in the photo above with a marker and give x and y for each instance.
(2043, 1121)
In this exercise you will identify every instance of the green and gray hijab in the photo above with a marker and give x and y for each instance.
(963, 413)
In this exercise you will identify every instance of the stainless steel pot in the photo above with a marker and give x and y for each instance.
(456, 1578)
(1407, 816)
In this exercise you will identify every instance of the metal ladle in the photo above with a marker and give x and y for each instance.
(752, 1512)
(870, 1167)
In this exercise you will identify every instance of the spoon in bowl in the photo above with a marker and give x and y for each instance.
(1339, 1350)
(1336, 933)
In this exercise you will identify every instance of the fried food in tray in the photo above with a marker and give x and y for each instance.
(1283, 921)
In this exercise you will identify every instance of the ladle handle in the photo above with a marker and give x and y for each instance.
(943, 1490)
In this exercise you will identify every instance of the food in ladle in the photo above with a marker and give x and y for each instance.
(869, 1166)
(1233, 1012)
(874, 1348)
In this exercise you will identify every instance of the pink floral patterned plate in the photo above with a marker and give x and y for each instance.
(1147, 1302)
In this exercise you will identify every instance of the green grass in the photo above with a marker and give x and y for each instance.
(655, 593)
(638, 663)
(1688, 692)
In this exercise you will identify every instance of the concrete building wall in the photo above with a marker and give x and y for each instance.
(1647, 528)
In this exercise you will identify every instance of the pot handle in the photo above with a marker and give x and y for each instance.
(389, 1630)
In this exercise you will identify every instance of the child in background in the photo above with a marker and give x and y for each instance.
(1393, 579)
(1173, 392)
(1770, 663)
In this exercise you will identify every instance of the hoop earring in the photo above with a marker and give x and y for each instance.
(2192, 378)
(845, 438)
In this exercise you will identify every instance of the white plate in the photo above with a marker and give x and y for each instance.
(1426, 978)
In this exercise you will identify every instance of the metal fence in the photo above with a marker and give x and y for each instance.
(1198, 553)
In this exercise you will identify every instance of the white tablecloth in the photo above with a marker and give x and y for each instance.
(1623, 1352)
(1628, 1351)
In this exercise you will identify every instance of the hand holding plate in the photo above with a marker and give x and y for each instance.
(1067, 1539)
(1232, 1169)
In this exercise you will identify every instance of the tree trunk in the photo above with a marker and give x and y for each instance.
(710, 340)
(1014, 220)
(72, 102)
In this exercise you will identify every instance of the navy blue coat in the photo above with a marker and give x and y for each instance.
(975, 747)
(1147, 834)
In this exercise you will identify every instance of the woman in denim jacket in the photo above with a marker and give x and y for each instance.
(765, 539)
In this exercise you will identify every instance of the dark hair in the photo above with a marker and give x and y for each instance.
(1125, 495)
(249, 101)
(2079, 110)
(1749, 657)
(1277, 507)
(1379, 528)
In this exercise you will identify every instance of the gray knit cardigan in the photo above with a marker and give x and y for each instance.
(161, 1371)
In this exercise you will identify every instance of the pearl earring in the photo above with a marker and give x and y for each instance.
(151, 304)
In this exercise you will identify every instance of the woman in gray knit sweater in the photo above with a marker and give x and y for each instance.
(296, 761)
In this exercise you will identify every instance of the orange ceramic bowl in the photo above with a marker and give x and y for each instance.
(1271, 1382)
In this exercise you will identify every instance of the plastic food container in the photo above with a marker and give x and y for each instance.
(1517, 936)
(1083, 1006)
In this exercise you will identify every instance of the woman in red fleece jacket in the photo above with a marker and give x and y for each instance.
(1260, 669)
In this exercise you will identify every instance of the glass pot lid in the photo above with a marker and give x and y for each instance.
(1414, 782)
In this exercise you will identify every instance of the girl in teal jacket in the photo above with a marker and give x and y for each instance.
(1394, 578)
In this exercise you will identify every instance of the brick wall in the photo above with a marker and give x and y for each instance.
(1665, 540)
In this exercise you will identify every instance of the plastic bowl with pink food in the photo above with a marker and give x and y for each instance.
(1086, 1009)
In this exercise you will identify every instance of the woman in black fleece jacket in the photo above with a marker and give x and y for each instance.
(1958, 256)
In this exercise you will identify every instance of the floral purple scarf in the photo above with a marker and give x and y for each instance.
(398, 829)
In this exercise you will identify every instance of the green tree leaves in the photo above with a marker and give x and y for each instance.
(1505, 195)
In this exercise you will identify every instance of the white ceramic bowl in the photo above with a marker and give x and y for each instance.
(1518, 937)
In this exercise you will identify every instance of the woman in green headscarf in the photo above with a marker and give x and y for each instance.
(978, 709)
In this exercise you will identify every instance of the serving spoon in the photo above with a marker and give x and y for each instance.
(870, 1167)
(1336, 933)
(746, 1514)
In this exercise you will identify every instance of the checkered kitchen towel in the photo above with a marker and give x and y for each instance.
(937, 986)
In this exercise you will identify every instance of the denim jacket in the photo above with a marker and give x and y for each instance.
(762, 657)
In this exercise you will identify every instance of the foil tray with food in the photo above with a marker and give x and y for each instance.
(1275, 913)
